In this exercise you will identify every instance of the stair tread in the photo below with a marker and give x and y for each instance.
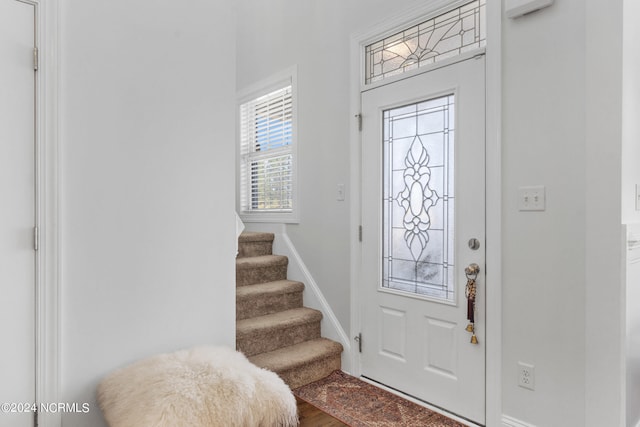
(282, 319)
(255, 236)
(261, 261)
(286, 358)
(270, 288)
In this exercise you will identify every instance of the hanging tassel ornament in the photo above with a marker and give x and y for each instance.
(470, 293)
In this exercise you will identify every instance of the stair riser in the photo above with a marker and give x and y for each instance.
(263, 341)
(311, 372)
(249, 249)
(259, 306)
(251, 276)
(311, 358)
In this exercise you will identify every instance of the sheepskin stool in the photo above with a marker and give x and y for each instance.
(199, 387)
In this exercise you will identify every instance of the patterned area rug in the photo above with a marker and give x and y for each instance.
(360, 404)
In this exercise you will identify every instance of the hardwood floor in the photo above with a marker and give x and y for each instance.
(310, 416)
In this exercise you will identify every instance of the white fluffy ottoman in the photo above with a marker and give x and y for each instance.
(201, 387)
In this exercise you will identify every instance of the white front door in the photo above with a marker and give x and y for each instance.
(423, 203)
(17, 213)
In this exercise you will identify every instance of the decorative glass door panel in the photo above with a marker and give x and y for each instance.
(419, 135)
(418, 198)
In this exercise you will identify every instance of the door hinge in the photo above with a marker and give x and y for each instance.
(359, 118)
(36, 238)
(35, 418)
(358, 339)
(359, 233)
(36, 58)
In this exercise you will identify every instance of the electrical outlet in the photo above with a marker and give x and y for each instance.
(532, 198)
(526, 375)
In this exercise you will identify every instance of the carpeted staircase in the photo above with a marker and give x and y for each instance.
(273, 329)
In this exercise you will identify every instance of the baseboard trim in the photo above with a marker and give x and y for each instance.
(313, 297)
(331, 327)
(508, 421)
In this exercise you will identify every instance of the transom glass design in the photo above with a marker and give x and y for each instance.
(444, 36)
(418, 198)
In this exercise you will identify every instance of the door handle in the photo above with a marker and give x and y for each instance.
(472, 270)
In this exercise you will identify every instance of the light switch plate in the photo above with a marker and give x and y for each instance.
(638, 197)
(532, 198)
(340, 193)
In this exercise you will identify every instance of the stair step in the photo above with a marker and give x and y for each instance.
(302, 363)
(251, 243)
(267, 298)
(261, 269)
(272, 331)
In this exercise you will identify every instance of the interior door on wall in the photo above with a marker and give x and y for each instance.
(423, 200)
(17, 212)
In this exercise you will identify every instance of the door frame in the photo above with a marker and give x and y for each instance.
(493, 181)
(48, 260)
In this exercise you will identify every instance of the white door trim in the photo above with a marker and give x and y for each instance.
(493, 182)
(47, 210)
(493, 390)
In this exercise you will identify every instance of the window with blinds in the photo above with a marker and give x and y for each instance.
(266, 153)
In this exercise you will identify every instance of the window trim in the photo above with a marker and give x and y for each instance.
(277, 81)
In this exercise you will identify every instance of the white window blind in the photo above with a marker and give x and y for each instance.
(266, 142)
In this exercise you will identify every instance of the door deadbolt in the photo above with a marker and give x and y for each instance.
(474, 244)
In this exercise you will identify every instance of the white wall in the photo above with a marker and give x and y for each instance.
(631, 177)
(563, 294)
(147, 135)
(314, 35)
(630, 112)
(562, 280)
(604, 322)
(543, 252)
(633, 330)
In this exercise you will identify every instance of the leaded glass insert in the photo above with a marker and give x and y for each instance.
(444, 36)
(418, 198)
